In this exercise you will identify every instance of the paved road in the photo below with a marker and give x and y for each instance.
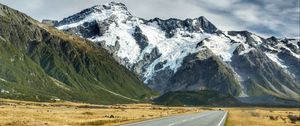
(209, 118)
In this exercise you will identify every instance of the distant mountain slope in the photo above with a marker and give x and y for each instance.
(192, 54)
(197, 98)
(40, 63)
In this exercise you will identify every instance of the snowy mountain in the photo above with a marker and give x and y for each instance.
(192, 54)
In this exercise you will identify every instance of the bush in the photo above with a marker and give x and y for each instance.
(87, 113)
(255, 114)
(294, 118)
(273, 117)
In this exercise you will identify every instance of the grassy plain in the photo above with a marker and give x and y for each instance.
(67, 113)
(263, 116)
(24, 113)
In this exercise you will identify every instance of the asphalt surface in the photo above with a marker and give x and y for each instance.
(209, 118)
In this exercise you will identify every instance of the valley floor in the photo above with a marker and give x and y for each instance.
(25, 113)
(263, 116)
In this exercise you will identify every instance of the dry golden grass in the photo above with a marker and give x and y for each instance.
(261, 116)
(14, 113)
(31, 113)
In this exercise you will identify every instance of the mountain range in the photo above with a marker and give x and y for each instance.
(106, 53)
(192, 54)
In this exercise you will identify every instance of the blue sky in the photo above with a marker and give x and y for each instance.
(265, 17)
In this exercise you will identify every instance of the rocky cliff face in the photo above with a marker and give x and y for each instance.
(192, 54)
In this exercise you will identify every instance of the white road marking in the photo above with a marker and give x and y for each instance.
(182, 120)
(222, 119)
(172, 124)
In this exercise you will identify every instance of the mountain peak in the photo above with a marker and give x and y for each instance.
(112, 6)
(117, 11)
(206, 24)
(115, 4)
(200, 24)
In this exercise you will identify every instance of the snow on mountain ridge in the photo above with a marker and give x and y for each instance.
(156, 49)
(172, 50)
(98, 13)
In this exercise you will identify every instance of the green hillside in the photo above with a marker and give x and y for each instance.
(40, 63)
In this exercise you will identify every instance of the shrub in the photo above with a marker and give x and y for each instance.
(294, 118)
(255, 114)
(273, 117)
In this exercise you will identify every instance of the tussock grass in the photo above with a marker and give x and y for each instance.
(13, 112)
(261, 116)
